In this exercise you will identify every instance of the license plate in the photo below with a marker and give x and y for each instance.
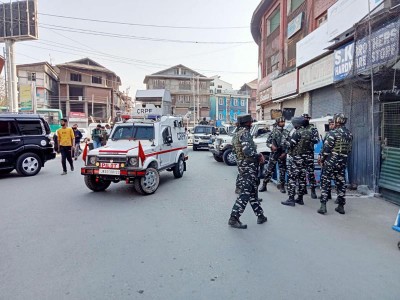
(109, 165)
(109, 172)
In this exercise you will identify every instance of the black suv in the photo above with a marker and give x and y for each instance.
(24, 143)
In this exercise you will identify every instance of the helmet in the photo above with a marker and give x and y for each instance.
(306, 116)
(242, 119)
(339, 118)
(280, 119)
(298, 121)
(330, 121)
(306, 122)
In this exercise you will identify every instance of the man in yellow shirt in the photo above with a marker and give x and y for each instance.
(66, 142)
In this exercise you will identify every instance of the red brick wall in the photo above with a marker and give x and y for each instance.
(320, 6)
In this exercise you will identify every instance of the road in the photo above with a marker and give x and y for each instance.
(59, 240)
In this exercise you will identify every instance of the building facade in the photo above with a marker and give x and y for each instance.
(88, 87)
(250, 89)
(218, 86)
(38, 83)
(226, 107)
(190, 91)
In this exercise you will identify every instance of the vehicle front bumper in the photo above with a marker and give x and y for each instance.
(124, 173)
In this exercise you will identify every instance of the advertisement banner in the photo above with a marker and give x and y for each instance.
(25, 96)
(343, 61)
(316, 75)
(384, 47)
(294, 25)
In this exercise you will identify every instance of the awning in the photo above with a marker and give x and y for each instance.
(286, 98)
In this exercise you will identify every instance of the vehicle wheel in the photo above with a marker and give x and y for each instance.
(229, 157)
(194, 148)
(218, 158)
(98, 186)
(179, 168)
(5, 171)
(28, 164)
(149, 183)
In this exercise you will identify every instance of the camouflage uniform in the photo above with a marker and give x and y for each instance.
(276, 138)
(248, 160)
(336, 149)
(310, 167)
(238, 179)
(298, 144)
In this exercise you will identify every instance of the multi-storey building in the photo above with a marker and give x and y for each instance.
(218, 86)
(250, 89)
(86, 86)
(39, 80)
(190, 90)
(226, 107)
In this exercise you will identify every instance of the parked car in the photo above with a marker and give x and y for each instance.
(202, 135)
(24, 144)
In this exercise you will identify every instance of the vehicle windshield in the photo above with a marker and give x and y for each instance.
(133, 133)
(200, 129)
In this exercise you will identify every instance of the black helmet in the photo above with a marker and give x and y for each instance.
(330, 121)
(243, 119)
(280, 119)
(298, 121)
(306, 116)
(339, 118)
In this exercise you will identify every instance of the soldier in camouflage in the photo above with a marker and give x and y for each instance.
(336, 149)
(298, 144)
(238, 179)
(310, 168)
(276, 141)
(331, 125)
(248, 160)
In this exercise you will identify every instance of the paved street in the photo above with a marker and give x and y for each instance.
(59, 240)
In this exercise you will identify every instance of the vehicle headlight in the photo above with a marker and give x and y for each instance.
(92, 160)
(133, 161)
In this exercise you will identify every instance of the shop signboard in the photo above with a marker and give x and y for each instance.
(266, 95)
(285, 85)
(294, 25)
(25, 96)
(384, 47)
(343, 61)
(316, 75)
(345, 13)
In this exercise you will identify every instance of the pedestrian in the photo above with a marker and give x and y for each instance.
(310, 166)
(108, 129)
(66, 142)
(276, 142)
(297, 146)
(336, 149)
(96, 136)
(78, 137)
(104, 136)
(248, 161)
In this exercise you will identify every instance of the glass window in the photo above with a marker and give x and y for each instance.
(242, 102)
(7, 128)
(133, 133)
(274, 21)
(31, 76)
(96, 79)
(235, 102)
(76, 77)
(30, 127)
(293, 5)
(221, 101)
(221, 116)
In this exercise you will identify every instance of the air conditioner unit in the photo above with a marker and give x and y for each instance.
(80, 98)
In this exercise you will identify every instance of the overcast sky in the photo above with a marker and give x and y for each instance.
(132, 59)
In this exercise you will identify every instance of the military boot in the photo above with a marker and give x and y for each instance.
(299, 200)
(305, 192)
(261, 219)
(329, 195)
(263, 187)
(322, 209)
(289, 202)
(235, 223)
(340, 209)
(283, 190)
(313, 193)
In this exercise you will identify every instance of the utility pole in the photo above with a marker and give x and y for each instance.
(11, 76)
(198, 98)
(194, 103)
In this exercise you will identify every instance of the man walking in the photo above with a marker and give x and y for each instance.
(78, 137)
(336, 149)
(248, 160)
(276, 141)
(66, 142)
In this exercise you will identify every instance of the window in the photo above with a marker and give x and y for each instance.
(185, 85)
(158, 83)
(7, 128)
(242, 102)
(221, 101)
(322, 19)
(220, 116)
(30, 127)
(235, 115)
(211, 92)
(96, 79)
(133, 133)
(220, 86)
(219, 91)
(273, 63)
(235, 102)
(166, 135)
(31, 76)
(212, 83)
(76, 77)
(293, 5)
(274, 21)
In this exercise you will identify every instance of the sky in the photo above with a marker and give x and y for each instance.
(132, 58)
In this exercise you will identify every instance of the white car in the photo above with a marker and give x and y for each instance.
(136, 152)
